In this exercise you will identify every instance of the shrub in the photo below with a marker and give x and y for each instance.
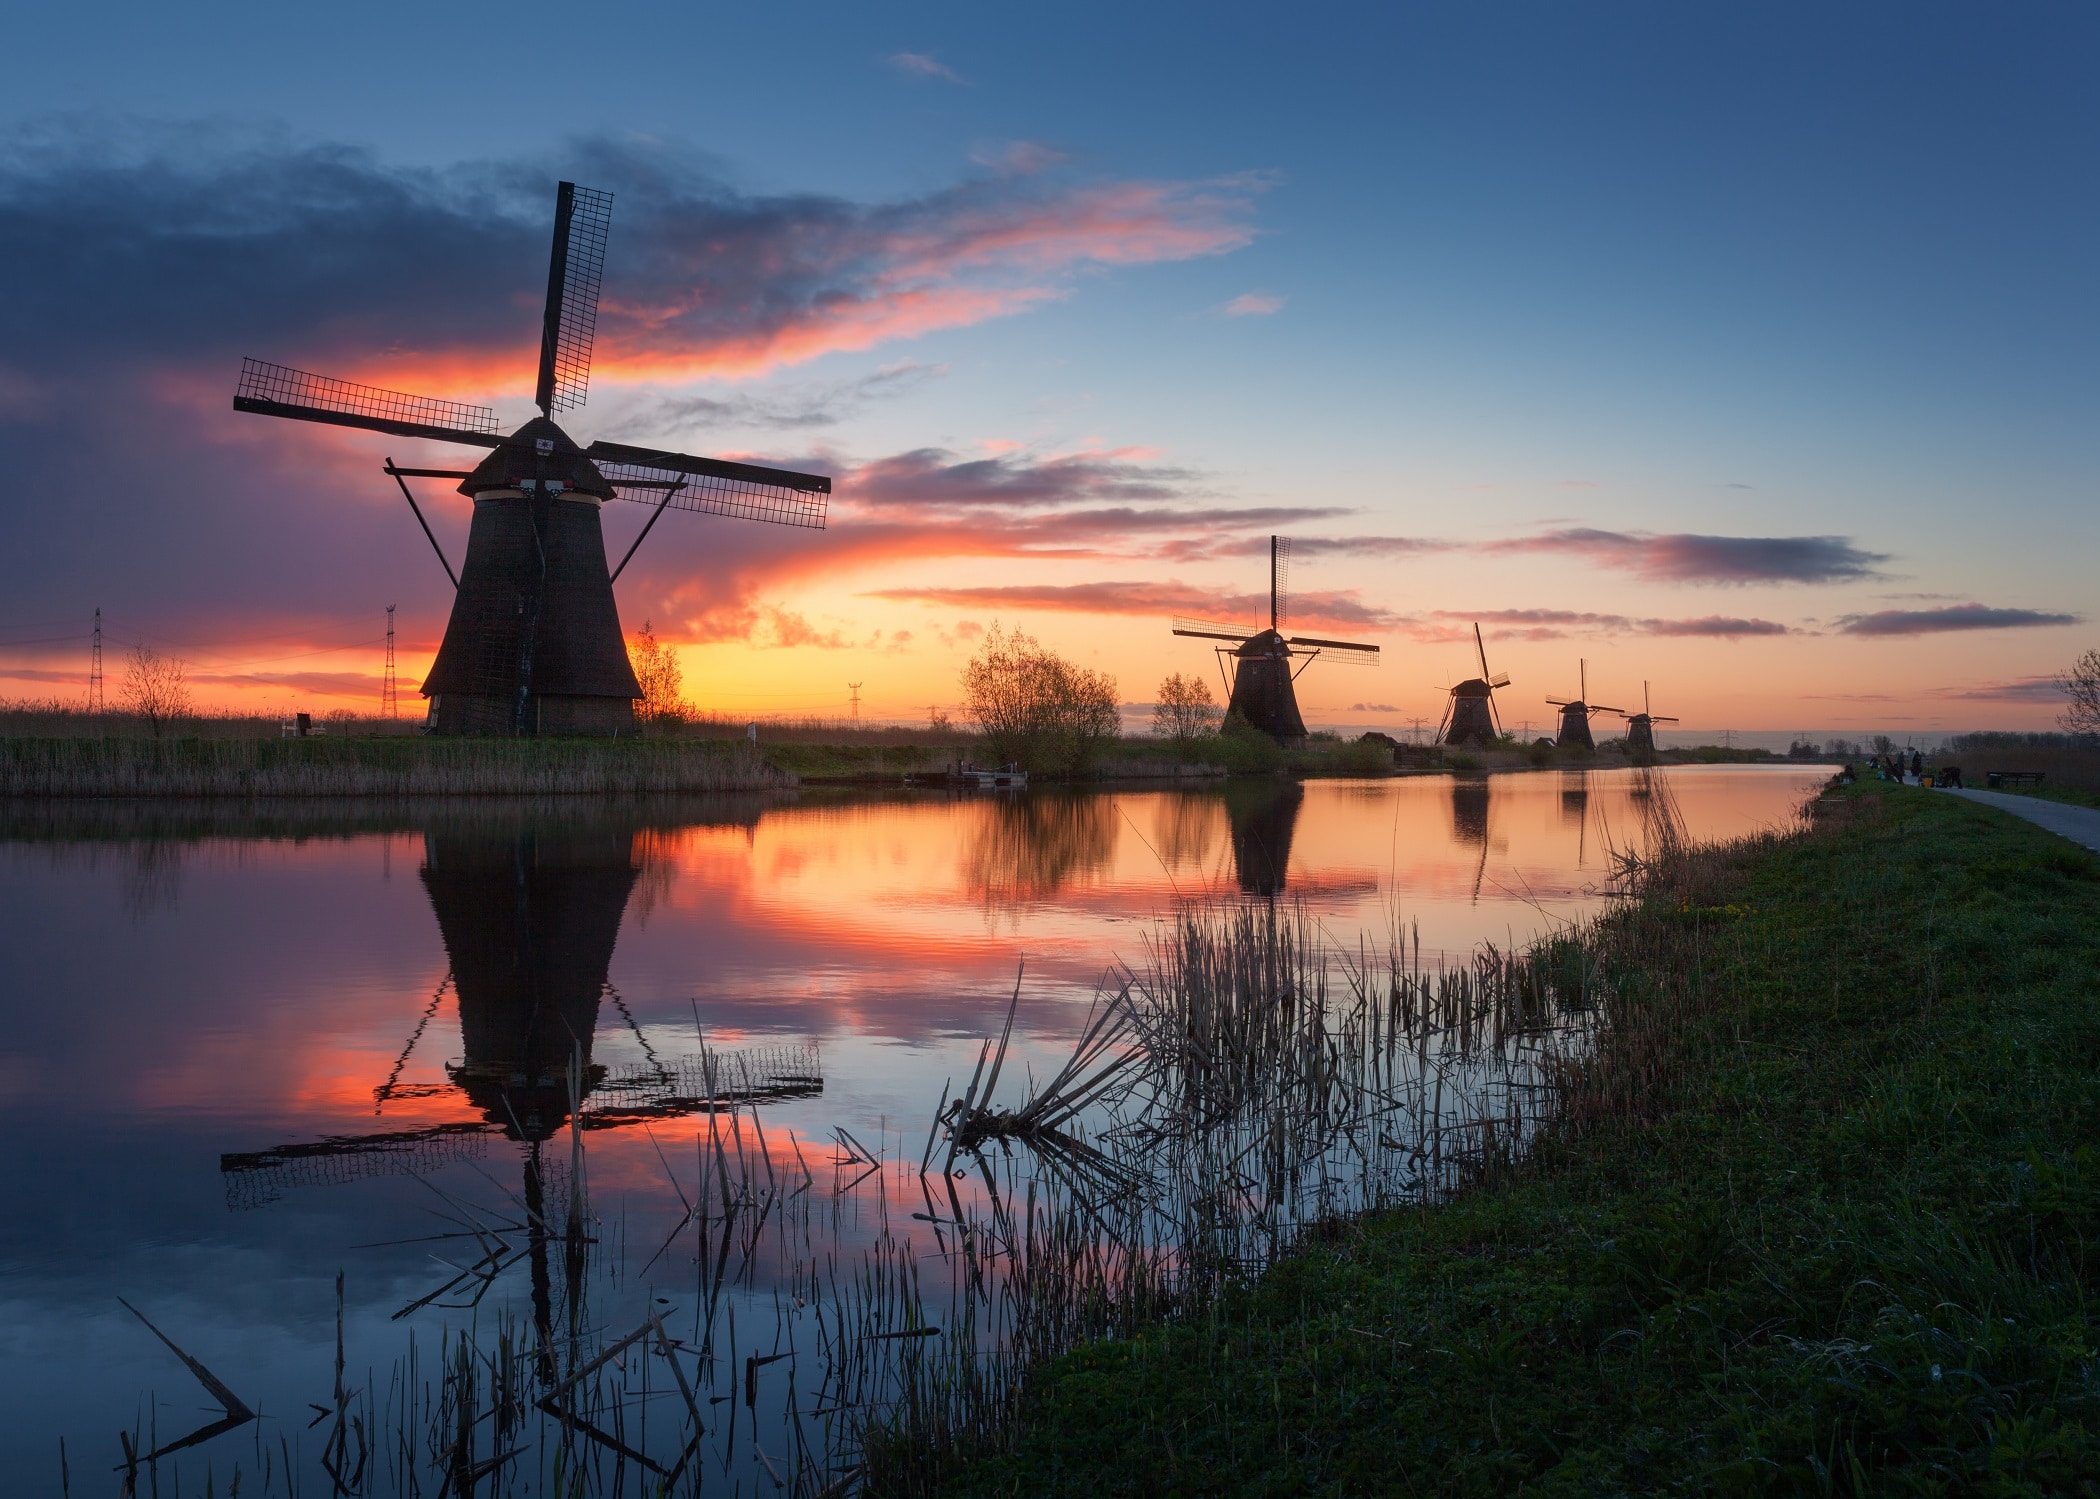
(1035, 708)
(656, 668)
(1185, 711)
(1241, 749)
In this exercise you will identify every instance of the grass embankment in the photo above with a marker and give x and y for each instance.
(377, 767)
(1829, 1222)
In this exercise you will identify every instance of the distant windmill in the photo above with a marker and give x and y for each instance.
(1575, 716)
(1470, 717)
(1640, 727)
(1263, 690)
(534, 643)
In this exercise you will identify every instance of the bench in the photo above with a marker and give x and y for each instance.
(1997, 778)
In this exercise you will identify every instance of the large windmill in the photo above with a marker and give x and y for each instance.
(1470, 717)
(1640, 727)
(534, 643)
(1575, 715)
(1263, 690)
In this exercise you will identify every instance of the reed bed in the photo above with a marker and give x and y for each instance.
(378, 768)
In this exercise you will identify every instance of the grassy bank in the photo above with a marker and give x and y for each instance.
(1823, 1219)
(377, 767)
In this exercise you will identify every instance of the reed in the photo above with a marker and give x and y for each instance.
(377, 768)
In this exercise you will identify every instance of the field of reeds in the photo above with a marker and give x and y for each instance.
(386, 767)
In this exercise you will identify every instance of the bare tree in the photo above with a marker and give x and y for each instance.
(155, 687)
(1185, 710)
(2081, 684)
(656, 668)
(1034, 707)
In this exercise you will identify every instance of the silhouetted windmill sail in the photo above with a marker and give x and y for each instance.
(582, 223)
(278, 390)
(1263, 690)
(534, 643)
(1470, 716)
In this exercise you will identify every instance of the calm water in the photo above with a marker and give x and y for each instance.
(361, 992)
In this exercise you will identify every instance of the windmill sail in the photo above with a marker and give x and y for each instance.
(582, 222)
(714, 486)
(278, 390)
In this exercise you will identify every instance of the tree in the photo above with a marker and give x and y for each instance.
(1185, 710)
(2081, 684)
(155, 687)
(656, 668)
(1035, 708)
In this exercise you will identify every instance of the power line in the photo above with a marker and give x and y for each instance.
(387, 704)
(856, 700)
(95, 667)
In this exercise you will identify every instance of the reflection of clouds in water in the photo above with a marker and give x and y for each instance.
(1185, 825)
(1032, 846)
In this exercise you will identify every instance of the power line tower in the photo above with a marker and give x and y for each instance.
(95, 704)
(856, 703)
(387, 706)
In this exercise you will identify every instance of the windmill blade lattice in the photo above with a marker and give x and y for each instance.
(582, 223)
(279, 390)
(713, 486)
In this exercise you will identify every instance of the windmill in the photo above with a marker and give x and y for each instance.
(1640, 727)
(534, 643)
(1575, 716)
(1470, 717)
(1263, 691)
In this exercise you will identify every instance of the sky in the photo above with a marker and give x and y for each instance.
(1744, 353)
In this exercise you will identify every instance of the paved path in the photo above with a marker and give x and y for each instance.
(2079, 824)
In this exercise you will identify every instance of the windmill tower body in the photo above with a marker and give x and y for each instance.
(1640, 728)
(1264, 690)
(1575, 716)
(1470, 716)
(1574, 727)
(534, 643)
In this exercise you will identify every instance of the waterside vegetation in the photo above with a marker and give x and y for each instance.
(378, 767)
(1819, 1215)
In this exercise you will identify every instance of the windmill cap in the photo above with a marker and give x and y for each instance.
(1267, 643)
(537, 450)
(1473, 687)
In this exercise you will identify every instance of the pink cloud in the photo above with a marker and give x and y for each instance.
(1254, 304)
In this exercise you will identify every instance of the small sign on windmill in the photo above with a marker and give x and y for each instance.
(1640, 727)
(1470, 717)
(1575, 715)
(534, 644)
(1263, 688)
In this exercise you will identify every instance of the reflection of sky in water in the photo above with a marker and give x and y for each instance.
(169, 999)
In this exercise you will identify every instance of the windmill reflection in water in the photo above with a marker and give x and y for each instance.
(530, 913)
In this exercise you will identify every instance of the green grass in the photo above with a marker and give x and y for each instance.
(2073, 795)
(1831, 1226)
(376, 767)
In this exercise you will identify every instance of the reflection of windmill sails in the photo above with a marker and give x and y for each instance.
(530, 911)
(1264, 816)
(1469, 821)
